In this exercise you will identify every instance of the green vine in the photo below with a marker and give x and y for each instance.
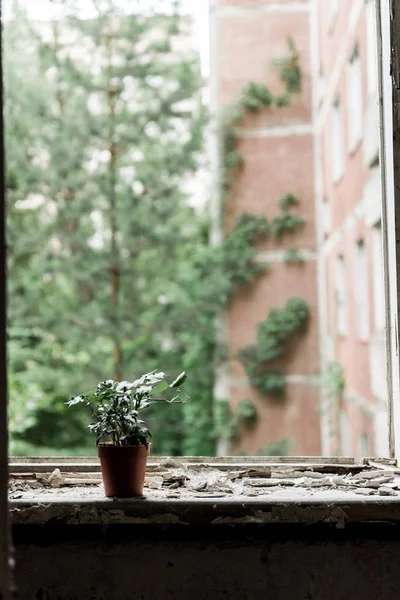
(253, 98)
(272, 337)
(229, 422)
(286, 221)
(293, 256)
(290, 70)
(238, 250)
(333, 385)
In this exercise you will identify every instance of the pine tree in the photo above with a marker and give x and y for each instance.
(117, 129)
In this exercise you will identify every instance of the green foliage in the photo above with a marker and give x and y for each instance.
(282, 101)
(253, 98)
(288, 200)
(290, 69)
(98, 222)
(116, 406)
(293, 256)
(246, 412)
(206, 284)
(105, 251)
(278, 448)
(273, 335)
(228, 422)
(333, 380)
(333, 385)
(286, 221)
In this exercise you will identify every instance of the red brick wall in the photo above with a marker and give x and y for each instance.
(337, 41)
(249, 35)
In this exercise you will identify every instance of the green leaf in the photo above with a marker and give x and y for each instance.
(179, 380)
(161, 387)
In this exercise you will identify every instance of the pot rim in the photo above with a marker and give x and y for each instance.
(112, 445)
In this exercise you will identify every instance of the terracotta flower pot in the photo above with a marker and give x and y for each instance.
(123, 469)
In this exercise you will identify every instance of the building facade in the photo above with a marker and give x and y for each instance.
(324, 149)
(350, 252)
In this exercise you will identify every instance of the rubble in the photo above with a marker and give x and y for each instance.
(386, 491)
(173, 478)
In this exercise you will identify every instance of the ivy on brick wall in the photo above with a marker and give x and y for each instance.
(333, 385)
(274, 331)
(253, 98)
(273, 336)
(229, 422)
(286, 221)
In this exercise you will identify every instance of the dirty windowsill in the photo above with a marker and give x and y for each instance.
(209, 491)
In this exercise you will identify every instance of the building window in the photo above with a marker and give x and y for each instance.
(360, 279)
(364, 445)
(340, 296)
(354, 100)
(378, 278)
(345, 434)
(337, 142)
(326, 217)
(333, 10)
(372, 63)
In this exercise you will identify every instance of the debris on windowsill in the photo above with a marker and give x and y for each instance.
(173, 479)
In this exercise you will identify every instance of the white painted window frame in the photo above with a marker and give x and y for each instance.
(355, 105)
(388, 12)
(378, 279)
(337, 141)
(388, 38)
(341, 295)
(371, 48)
(333, 13)
(361, 289)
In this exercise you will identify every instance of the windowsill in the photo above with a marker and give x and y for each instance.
(337, 491)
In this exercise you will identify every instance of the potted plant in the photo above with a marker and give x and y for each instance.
(122, 438)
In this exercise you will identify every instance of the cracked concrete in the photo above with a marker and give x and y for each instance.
(186, 495)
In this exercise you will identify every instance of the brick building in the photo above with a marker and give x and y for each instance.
(323, 148)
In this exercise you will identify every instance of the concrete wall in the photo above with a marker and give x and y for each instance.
(268, 563)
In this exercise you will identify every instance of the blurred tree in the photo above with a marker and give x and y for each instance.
(104, 126)
(111, 272)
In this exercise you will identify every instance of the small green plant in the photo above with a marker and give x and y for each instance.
(117, 405)
(272, 337)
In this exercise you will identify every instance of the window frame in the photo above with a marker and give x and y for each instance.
(388, 24)
(5, 578)
(354, 91)
(388, 20)
(361, 289)
(340, 296)
(337, 141)
(333, 12)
